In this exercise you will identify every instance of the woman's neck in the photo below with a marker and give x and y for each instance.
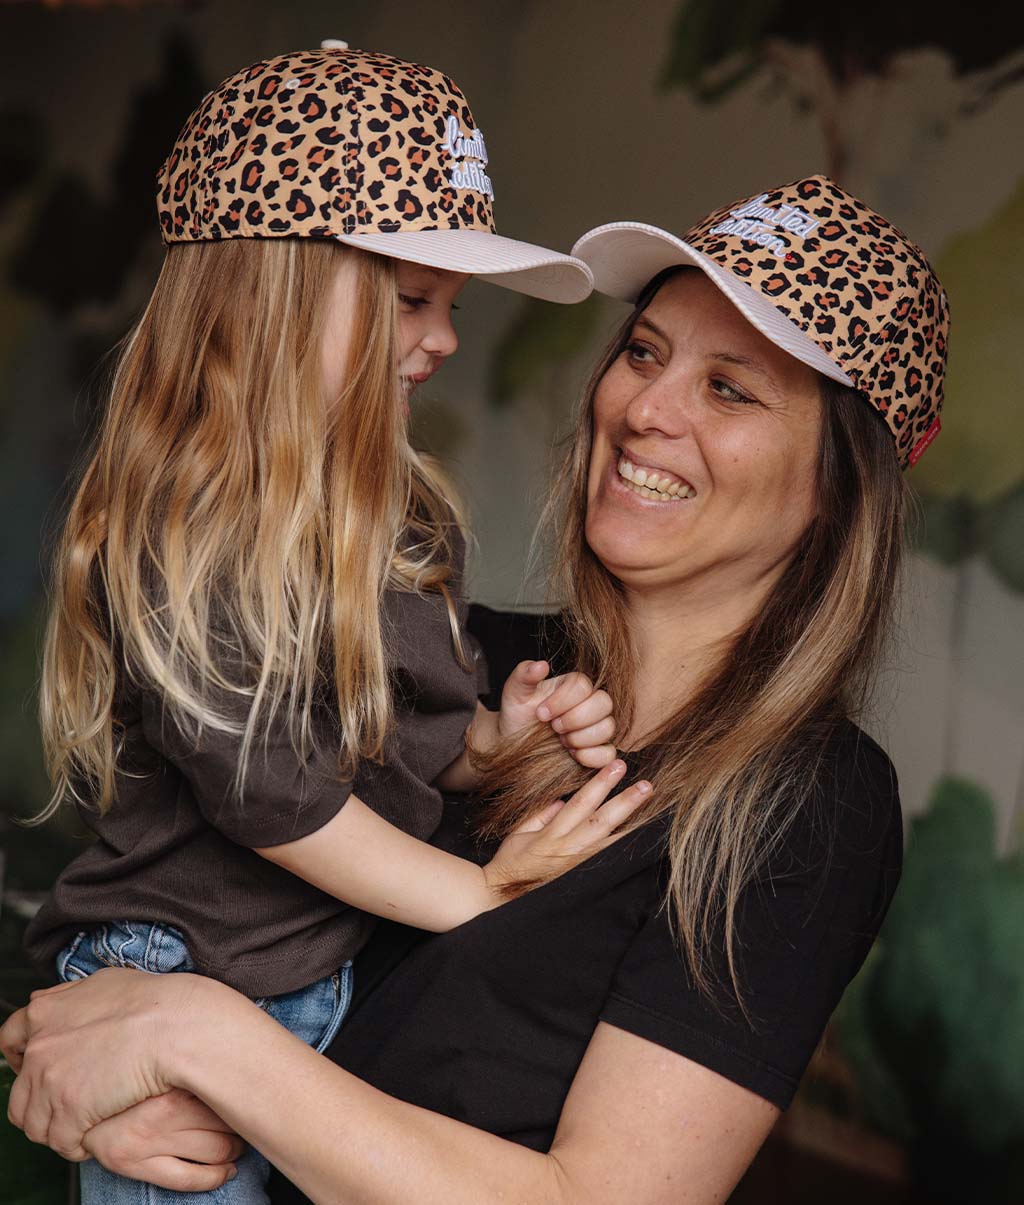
(680, 634)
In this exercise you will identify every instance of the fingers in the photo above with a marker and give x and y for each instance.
(17, 1102)
(175, 1122)
(588, 798)
(541, 819)
(14, 1038)
(166, 1171)
(571, 691)
(611, 815)
(523, 681)
(593, 814)
(595, 756)
(118, 1151)
(600, 733)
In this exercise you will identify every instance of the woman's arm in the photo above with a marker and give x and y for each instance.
(641, 1123)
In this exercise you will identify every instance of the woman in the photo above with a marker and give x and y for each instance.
(730, 553)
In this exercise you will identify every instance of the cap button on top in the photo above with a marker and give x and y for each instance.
(333, 44)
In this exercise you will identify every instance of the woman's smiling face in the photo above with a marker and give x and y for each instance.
(726, 426)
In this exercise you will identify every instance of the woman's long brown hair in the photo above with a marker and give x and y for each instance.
(735, 764)
(234, 530)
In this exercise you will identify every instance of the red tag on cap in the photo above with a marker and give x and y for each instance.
(919, 449)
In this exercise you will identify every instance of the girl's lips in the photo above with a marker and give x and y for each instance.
(411, 380)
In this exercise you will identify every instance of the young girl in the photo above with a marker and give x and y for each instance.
(256, 677)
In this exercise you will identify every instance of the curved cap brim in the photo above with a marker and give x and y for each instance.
(625, 256)
(523, 267)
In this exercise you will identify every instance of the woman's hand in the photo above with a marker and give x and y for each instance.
(86, 1051)
(173, 1141)
(564, 834)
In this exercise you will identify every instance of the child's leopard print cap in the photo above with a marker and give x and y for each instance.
(364, 148)
(824, 277)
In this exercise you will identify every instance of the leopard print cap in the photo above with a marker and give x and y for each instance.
(323, 143)
(851, 282)
(858, 300)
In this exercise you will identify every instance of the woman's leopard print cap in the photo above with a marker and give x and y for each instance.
(361, 147)
(824, 277)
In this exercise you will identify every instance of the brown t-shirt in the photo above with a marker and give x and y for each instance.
(177, 846)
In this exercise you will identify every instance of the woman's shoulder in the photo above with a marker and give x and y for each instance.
(841, 839)
(857, 789)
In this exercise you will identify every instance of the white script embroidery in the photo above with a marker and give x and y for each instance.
(757, 223)
(467, 146)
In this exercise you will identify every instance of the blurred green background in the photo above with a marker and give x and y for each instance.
(595, 112)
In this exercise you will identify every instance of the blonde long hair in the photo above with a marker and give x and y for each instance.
(234, 531)
(735, 764)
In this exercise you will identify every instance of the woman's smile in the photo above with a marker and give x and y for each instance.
(649, 481)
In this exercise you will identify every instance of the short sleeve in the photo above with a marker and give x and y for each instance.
(802, 932)
(283, 797)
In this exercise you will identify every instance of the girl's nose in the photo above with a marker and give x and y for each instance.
(441, 339)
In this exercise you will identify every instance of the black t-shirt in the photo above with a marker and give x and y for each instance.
(488, 1023)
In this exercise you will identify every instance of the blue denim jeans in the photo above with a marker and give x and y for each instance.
(312, 1013)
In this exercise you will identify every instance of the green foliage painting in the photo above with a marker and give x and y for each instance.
(934, 1027)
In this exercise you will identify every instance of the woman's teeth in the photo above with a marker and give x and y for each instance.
(654, 483)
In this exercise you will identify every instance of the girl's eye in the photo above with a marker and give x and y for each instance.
(729, 393)
(413, 302)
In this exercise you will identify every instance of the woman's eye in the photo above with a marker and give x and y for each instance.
(729, 393)
(639, 353)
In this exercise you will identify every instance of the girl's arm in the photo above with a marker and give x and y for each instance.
(362, 859)
(640, 1123)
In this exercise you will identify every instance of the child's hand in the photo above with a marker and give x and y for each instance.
(579, 714)
(564, 834)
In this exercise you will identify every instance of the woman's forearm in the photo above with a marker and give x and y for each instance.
(336, 1137)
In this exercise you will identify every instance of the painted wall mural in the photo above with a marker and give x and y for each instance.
(919, 1090)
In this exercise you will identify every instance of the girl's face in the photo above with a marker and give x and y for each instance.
(426, 299)
(705, 447)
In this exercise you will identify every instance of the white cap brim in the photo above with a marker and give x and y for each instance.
(626, 256)
(523, 267)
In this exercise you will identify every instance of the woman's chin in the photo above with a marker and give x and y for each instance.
(626, 553)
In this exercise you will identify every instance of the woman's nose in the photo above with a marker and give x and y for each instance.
(660, 406)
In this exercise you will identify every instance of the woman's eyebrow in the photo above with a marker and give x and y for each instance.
(730, 357)
(643, 320)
